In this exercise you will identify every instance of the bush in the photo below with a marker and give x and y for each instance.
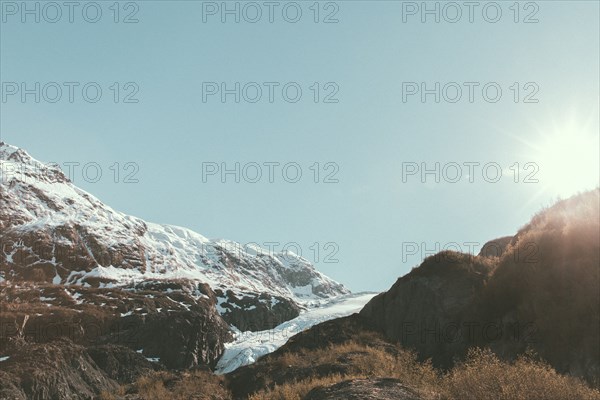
(194, 385)
(484, 376)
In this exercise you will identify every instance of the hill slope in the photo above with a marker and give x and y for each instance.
(541, 293)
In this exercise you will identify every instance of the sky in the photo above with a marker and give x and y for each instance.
(364, 135)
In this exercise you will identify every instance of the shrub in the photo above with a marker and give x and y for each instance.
(195, 385)
(484, 376)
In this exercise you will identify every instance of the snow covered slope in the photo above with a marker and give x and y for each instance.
(249, 346)
(52, 231)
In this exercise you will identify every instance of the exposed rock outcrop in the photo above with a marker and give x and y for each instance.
(255, 312)
(120, 363)
(365, 389)
(57, 370)
(177, 339)
(180, 329)
(425, 309)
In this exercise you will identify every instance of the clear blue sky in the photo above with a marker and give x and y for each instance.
(369, 133)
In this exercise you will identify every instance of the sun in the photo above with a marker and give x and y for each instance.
(568, 158)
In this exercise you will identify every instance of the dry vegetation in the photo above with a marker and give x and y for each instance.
(161, 385)
(484, 376)
(363, 362)
(481, 376)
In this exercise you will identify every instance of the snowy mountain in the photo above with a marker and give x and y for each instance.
(52, 231)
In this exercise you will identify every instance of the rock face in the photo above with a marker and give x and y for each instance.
(60, 370)
(255, 312)
(542, 293)
(424, 309)
(175, 328)
(120, 363)
(365, 389)
(100, 337)
(178, 339)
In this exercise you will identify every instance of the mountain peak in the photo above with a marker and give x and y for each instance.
(18, 165)
(7, 151)
(17, 157)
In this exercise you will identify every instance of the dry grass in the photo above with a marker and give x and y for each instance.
(297, 390)
(196, 385)
(113, 396)
(482, 376)
(152, 386)
(363, 362)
